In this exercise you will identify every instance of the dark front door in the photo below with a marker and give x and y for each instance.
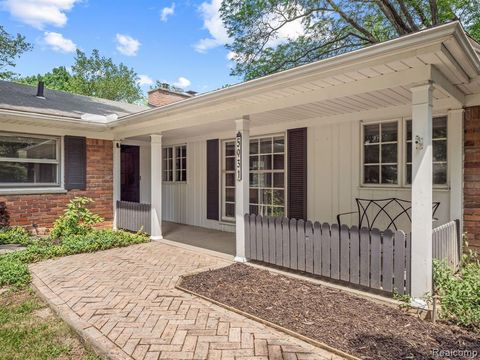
(130, 171)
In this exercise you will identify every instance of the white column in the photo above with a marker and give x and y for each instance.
(421, 191)
(116, 179)
(242, 151)
(455, 163)
(156, 186)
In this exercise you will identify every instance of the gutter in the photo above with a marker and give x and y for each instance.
(356, 57)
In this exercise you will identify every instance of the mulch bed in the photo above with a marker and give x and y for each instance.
(350, 323)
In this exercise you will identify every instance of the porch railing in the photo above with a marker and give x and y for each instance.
(363, 257)
(133, 216)
(447, 243)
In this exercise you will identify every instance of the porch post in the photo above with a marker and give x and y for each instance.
(421, 191)
(242, 152)
(455, 163)
(156, 187)
(116, 179)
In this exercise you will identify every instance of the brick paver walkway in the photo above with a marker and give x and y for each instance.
(124, 302)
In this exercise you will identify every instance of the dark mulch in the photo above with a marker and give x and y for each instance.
(358, 326)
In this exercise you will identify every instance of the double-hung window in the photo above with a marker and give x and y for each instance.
(29, 161)
(383, 142)
(175, 163)
(266, 177)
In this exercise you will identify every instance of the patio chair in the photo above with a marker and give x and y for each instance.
(373, 212)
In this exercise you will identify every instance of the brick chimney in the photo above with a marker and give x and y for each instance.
(160, 96)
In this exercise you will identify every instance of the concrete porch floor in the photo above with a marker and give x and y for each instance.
(214, 240)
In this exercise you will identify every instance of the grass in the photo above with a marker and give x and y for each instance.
(29, 330)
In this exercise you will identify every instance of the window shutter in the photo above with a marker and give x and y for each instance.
(213, 179)
(75, 162)
(297, 173)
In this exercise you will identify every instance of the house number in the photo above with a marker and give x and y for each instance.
(238, 153)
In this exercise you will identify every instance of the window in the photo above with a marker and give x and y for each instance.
(439, 147)
(181, 163)
(168, 164)
(27, 160)
(380, 153)
(266, 176)
(175, 163)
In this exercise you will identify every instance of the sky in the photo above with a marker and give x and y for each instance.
(179, 42)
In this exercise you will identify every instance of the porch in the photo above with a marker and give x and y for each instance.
(383, 122)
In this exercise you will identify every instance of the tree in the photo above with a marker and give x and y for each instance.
(163, 85)
(93, 76)
(274, 35)
(11, 47)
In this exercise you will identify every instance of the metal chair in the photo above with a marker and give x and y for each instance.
(372, 211)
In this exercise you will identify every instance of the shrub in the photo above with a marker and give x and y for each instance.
(76, 220)
(459, 293)
(13, 266)
(14, 235)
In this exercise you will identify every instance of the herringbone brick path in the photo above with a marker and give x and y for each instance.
(124, 301)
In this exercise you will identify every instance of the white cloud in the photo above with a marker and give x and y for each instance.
(182, 82)
(210, 13)
(127, 45)
(144, 80)
(38, 13)
(58, 43)
(290, 31)
(231, 55)
(167, 12)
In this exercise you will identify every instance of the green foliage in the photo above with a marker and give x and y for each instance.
(93, 75)
(274, 35)
(163, 85)
(13, 266)
(459, 293)
(14, 235)
(11, 47)
(76, 220)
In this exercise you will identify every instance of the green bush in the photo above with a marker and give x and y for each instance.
(13, 266)
(76, 220)
(14, 235)
(459, 292)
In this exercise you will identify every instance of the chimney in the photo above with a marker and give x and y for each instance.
(160, 97)
(41, 90)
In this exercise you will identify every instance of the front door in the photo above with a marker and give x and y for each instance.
(130, 173)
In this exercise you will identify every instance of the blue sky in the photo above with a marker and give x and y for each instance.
(179, 42)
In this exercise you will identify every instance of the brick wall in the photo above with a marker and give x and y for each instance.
(471, 190)
(43, 209)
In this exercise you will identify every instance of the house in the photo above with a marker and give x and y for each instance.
(400, 119)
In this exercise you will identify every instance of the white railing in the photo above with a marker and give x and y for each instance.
(447, 243)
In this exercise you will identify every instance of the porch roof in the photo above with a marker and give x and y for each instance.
(361, 81)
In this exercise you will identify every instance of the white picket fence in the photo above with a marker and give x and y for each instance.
(447, 243)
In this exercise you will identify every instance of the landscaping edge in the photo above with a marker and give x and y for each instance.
(88, 334)
(289, 332)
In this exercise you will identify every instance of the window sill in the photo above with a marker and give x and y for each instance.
(398, 187)
(32, 191)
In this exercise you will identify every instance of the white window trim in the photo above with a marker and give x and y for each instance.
(174, 163)
(401, 155)
(230, 220)
(39, 188)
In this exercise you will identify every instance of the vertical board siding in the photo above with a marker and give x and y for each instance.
(370, 259)
(447, 243)
(133, 216)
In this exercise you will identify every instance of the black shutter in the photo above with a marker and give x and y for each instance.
(297, 173)
(213, 179)
(75, 162)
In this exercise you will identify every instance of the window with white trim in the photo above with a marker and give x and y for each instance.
(167, 157)
(266, 176)
(439, 148)
(380, 153)
(175, 163)
(29, 160)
